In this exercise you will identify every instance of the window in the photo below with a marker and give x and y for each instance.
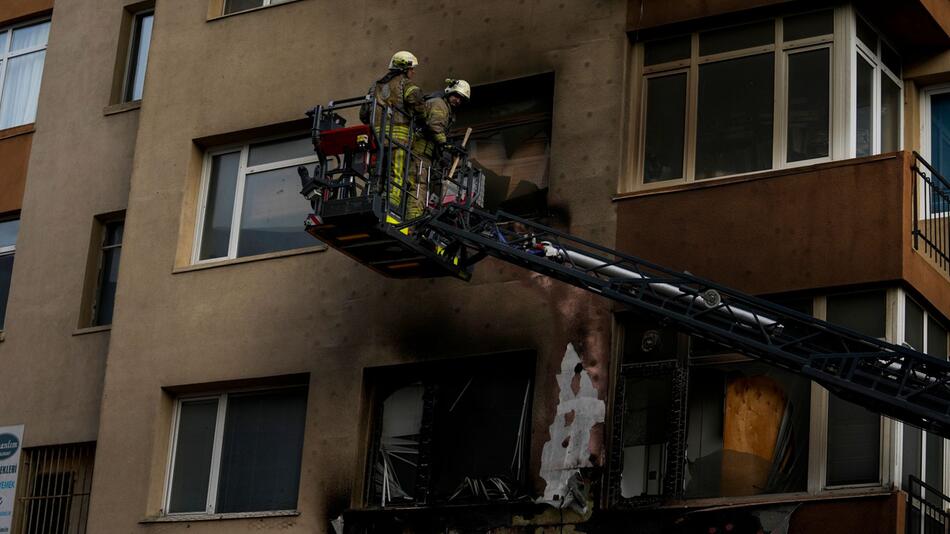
(138, 54)
(878, 93)
(108, 274)
(761, 94)
(474, 422)
(854, 433)
(22, 54)
(233, 6)
(924, 452)
(8, 235)
(223, 443)
(54, 489)
(250, 201)
(713, 451)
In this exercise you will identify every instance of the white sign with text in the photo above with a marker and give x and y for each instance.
(11, 437)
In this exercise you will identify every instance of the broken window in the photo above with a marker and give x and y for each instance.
(452, 432)
(747, 430)
(511, 138)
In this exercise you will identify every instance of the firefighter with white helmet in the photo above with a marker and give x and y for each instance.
(432, 139)
(396, 90)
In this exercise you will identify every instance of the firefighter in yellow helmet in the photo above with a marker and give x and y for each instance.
(432, 139)
(396, 90)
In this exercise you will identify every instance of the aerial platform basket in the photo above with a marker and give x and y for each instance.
(361, 200)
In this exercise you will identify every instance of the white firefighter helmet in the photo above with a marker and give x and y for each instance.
(403, 60)
(458, 87)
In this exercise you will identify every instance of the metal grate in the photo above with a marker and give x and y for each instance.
(53, 489)
(927, 509)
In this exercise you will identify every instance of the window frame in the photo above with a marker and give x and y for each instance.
(5, 55)
(926, 145)
(780, 49)
(96, 297)
(877, 64)
(132, 49)
(239, 188)
(4, 252)
(218, 442)
(898, 465)
(265, 3)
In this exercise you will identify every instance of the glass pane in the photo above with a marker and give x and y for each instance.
(107, 284)
(866, 34)
(6, 273)
(114, 233)
(4, 40)
(809, 87)
(865, 92)
(220, 206)
(192, 470)
(914, 325)
(260, 455)
(890, 59)
(30, 36)
(665, 50)
(910, 463)
(933, 474)
(940, 146)
(936, 339)
(8, 232)
(281, 150)
(864, 313)
(273, 213)
(233, 6)
(139, 61)
(646, 409)
(21, 89)
(665, 128)
(854, 443)
(737, 38)
(747, 431)
(394, 477)
(808, 25)
(734, 132)
(890, 114)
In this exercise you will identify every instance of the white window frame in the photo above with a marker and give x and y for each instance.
(874, 59)
(243, 171)
(133, 48)
(5, 55)
(898, 466)
(926, 150)
(266, 3)
(818, 430)
(780, 49)
(218, 441)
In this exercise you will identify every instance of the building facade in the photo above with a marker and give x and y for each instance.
(183, 357)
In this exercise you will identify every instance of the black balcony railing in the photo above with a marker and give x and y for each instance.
(931, 213)
(926, 508)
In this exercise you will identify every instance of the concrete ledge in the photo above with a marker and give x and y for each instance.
(249, 259)
(92, 330)
(184, 518)
(121, 108)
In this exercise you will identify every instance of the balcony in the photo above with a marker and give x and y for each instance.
(834, 224)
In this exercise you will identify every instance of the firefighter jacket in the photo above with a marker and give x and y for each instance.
(397, 91)
(439, 117)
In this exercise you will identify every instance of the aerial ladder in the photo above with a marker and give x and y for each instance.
(352, 191)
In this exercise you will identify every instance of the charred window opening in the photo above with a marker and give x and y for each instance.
(695, 420)
(511, 139)
(452, 432)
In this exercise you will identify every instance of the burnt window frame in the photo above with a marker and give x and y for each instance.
(383, 381)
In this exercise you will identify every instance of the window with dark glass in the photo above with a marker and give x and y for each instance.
(854, 433)
(110, 255)
(8, 236)
(878, 92)
(138, 54)
(224, 442)
(809, 105)
(665, 120)
(251, 204)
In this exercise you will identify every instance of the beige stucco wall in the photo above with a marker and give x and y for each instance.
(320, 313)
(79, 166)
